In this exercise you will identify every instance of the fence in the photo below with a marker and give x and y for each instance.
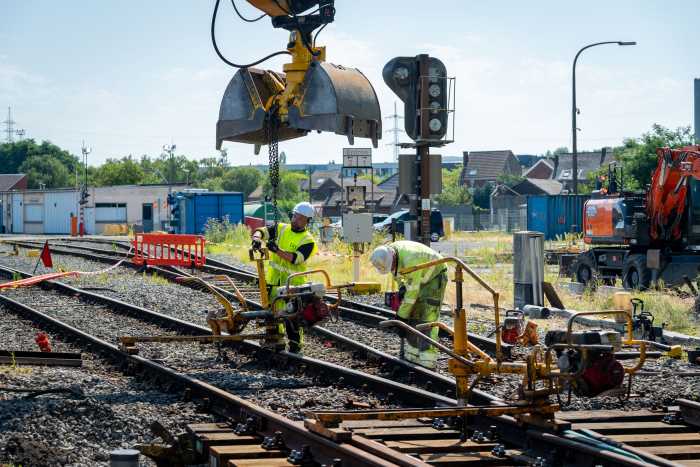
(508, 220)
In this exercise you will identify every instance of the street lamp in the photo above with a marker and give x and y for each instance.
(170, 149)
(574, 110)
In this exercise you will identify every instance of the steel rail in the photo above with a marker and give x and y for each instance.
(446, 385)
(221, 402)
(510, 430)
(353, 377)
(353, 310)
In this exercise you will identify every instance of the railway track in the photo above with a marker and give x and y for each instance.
(178, 374)
(351, 310)
(374, 360)
(645, 435)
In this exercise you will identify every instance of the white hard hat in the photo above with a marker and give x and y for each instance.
(382, 258)
(304, 208)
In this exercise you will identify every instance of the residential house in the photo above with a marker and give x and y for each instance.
(9, 182)
(482, 167)
(323, 184)
(587, 162)
(504, 197)
(377, 199)
(542, 169)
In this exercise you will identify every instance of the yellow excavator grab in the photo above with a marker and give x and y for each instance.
(263, 106)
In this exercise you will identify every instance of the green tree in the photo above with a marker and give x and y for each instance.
(509, 180)
(288, 191)
(46, 170)
(638, 155)
(124, 171)
(482, 195)
(13, 155)
(243, 179)
(212, 184)
(454, 193)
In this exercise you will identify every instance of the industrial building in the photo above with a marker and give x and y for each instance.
(49, 211)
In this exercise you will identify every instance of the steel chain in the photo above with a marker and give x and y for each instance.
(272, 130)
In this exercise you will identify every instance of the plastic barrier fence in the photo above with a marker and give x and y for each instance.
(169, 249)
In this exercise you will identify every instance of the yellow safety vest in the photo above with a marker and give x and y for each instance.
(279, 270)
(412, 254)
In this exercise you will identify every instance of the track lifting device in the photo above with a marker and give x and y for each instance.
(544, 371)
(302, 305)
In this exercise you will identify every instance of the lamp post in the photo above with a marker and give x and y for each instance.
(170, 150)
(574, 110)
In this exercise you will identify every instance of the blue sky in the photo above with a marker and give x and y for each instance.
(130, 76)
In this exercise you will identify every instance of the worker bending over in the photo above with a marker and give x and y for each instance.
(290, 246)
(421, 293)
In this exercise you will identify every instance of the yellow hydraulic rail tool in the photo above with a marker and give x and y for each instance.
(263, 107)
(467, 360)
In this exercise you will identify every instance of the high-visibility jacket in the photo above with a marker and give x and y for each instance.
(412, 254)
(278, 269)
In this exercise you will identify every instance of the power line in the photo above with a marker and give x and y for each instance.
(395, 130)
(9, 124)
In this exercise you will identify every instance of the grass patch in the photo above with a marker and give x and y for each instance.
(155, 279)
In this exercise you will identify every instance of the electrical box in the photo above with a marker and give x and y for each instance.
(408, 174)
(357, 227)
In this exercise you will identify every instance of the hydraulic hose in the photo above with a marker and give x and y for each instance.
(224, 59)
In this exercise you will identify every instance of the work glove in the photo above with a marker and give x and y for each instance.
(272, 246)
(256, 243)
(402, 293)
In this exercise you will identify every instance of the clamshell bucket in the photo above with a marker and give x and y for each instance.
(332, 98)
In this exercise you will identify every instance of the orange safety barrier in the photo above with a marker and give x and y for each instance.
(169, 249)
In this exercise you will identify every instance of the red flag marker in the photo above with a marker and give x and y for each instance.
(46, 255)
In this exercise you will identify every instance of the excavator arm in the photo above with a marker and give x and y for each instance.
(262, 107)
(666, 198)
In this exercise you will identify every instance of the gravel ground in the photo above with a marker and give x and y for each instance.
(108, 411)
(647, 391)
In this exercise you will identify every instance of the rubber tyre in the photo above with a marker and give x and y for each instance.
(635, 274)
(585, 269)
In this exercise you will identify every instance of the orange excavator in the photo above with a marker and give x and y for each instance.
(644, 238)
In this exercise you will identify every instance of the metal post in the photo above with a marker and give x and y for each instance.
(574, 110)
(423, 152)
(697, 110)
(356, 262)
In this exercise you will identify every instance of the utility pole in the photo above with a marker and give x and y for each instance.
(21, 132)
(310, 170)
(84, 190)
(395, 130)
(9, 125)
(170, 150)
(423, 151)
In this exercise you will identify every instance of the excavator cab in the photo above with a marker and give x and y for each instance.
(263, 106)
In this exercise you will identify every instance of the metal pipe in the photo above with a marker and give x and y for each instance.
(400, 324)
(471, 347)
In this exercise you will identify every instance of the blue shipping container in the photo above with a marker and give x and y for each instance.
(555, 215)
(197, 208)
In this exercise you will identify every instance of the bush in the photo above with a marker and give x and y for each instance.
(223, 231)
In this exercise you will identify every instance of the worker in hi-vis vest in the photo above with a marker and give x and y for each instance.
(420, 294)
(290, 246)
